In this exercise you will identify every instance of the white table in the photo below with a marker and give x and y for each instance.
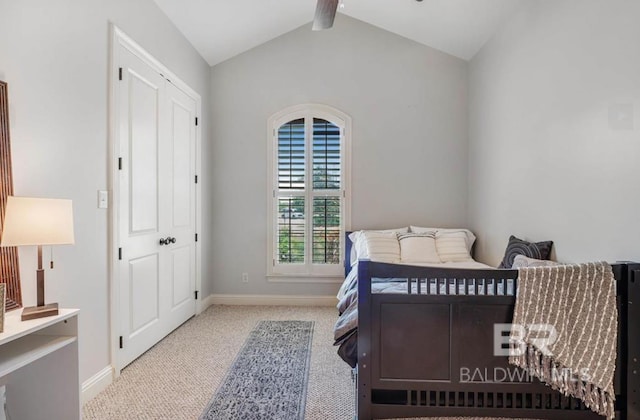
(39, 366)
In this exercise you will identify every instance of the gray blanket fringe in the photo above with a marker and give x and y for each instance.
(580, 298)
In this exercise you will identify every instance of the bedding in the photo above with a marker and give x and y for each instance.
(470, 238)
(452, 247)
(418, 247)
(379, 246)
(359, 249)
(421, 245)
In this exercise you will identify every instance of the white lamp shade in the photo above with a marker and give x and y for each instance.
(37, 221)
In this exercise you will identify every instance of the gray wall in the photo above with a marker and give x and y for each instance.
(54, 55)
(408, 103)
(547, 159)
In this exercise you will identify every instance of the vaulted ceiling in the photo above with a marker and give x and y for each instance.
(221, 29)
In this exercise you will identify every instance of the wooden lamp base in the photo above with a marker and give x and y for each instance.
(40, 310)
(34, 312)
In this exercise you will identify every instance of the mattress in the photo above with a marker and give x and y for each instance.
(392, 285)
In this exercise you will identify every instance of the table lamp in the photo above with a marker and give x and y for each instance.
(38, 221)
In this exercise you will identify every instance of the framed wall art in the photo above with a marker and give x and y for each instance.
(9, 269)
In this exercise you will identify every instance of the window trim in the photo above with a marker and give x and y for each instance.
(301, 272)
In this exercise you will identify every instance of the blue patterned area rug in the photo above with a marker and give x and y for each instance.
(268, 379)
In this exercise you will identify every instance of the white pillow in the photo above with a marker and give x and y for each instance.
(452, 246)
(359, 246)
(382, 246)
(418, 247)
(470, 237)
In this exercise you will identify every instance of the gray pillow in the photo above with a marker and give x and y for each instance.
(517, 246)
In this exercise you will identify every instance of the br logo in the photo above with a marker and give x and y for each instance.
(509, 339)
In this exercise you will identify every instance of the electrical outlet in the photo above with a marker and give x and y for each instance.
(245, 277)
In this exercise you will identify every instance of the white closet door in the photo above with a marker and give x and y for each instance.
(157, 148)
(181, 205)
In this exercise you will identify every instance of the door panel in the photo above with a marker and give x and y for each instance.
(144, 281)
(182, 112)
(140, 96)
(157, 137)
(144, 103)
(182, 164)
(181, 275)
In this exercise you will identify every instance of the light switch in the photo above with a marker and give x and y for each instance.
(103, 199)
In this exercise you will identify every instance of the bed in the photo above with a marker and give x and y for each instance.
(414, 341)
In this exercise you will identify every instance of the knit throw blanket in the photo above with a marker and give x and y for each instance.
(565, 330)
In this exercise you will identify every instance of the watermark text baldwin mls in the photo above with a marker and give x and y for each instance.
(512, 340)
(495, 375)
(502, 375)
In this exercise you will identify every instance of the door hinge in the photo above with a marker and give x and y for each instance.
(196, 293)
(121, 343)
(120, 253)
(196, 121)
(196, 179)
(196, 237)
(119, 163)
(120, 73)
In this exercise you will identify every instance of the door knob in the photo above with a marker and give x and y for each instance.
(167, 241)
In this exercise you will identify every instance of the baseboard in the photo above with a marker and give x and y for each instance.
(272, 300)
(204, 304)
(97, 383)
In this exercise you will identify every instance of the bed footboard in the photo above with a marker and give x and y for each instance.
(432, 350)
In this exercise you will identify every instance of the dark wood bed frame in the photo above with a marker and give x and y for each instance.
(432, 355)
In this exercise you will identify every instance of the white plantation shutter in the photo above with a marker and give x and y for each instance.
(326, 155)
(326, 230)
(291, 155)
(327, 181)
(309, 202)
(291, 171)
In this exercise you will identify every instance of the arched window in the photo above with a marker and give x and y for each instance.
(309, 195)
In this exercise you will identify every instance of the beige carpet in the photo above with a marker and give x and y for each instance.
(175, 379)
